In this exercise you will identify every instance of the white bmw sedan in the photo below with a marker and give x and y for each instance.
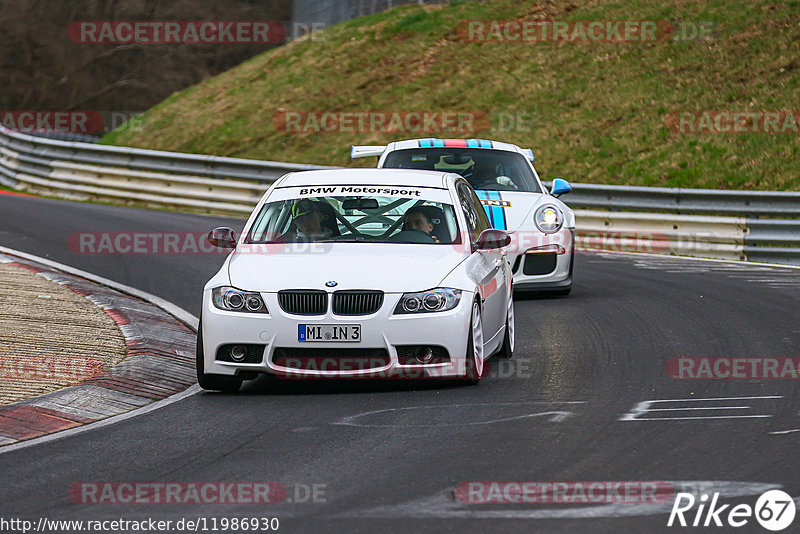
(355, 273)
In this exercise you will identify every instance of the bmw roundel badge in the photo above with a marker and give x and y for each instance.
(332, 283)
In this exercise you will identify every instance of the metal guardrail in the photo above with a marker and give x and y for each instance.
(683, 235)
(84, 171)
(686, 201)
(754, 226)
(760, 226)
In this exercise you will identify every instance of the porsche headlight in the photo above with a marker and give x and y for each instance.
(232, 299)
(434, 300)
(548, 219)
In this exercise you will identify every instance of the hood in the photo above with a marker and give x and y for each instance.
(392, 268)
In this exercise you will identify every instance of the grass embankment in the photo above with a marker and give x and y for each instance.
(596, 111)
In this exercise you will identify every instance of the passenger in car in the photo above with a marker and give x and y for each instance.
(417, 219)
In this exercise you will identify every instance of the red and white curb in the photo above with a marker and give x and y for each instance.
(159, 367)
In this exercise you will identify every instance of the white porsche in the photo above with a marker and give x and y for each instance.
(542, 228)
(353, 273)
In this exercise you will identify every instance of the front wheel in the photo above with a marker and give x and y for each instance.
(211, 382)
(474, 357)
(507, 349)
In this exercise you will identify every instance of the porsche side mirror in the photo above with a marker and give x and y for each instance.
(560, 187)
(492, 239)
(222, 237)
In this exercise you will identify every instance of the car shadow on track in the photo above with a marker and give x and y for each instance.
(271, 385)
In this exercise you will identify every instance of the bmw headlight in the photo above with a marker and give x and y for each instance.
(433, 300)
(232, 299)
(548, 219)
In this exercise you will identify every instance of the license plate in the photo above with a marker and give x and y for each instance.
(329, 332)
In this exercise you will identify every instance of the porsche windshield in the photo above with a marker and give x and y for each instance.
(493, 170)
(381, 219)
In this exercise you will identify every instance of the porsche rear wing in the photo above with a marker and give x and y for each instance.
(366, 151)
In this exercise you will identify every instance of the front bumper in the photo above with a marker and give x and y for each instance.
(542, 262)
(381, 330)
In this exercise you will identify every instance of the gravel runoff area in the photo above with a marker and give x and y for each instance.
(50, 336)
(73, 351)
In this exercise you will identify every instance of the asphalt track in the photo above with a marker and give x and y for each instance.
(390, 455)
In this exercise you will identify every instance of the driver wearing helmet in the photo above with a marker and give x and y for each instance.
(307, 219)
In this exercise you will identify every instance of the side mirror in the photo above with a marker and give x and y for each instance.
(492, 239)
(222, 237)
(560, 187)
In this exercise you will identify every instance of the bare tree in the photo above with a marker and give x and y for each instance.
(43, 69)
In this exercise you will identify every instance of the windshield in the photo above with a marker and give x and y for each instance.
(493, 170)
(369, 219)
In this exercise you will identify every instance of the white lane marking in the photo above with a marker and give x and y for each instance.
(556, 416)
(644, 407)
(176, 311)
(785, 431)
(785, 282)
(444, 505)
(193, 390)
(733, 264)
(709, 408)
(721, 399)
(695, 418)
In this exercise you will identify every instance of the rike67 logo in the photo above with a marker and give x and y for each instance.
(774, 510)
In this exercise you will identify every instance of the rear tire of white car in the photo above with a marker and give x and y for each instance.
(212, 382)
(473, 364)
(507, 349)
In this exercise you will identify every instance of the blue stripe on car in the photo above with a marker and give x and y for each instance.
(484, 195)
(499, 211)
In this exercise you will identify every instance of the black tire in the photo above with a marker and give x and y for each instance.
(566, 291)
(471, 372)
(507, 349)
(211, 382)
